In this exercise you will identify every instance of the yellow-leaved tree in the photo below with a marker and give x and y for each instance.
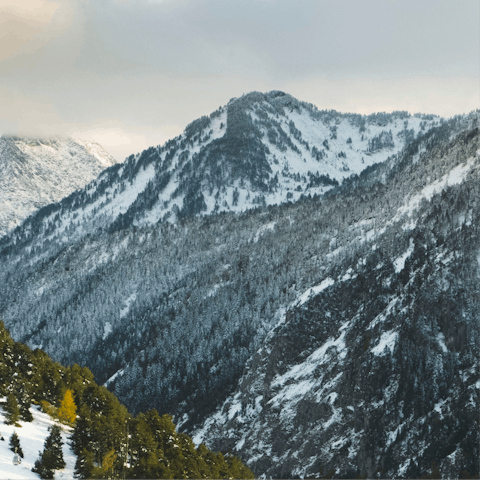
(67, 412)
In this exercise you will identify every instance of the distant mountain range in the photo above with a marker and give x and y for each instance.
(317, 315)
(35, 172)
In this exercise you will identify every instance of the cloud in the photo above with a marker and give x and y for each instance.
(22, 114)
(144, 69)
(121, 140)
(28, 25)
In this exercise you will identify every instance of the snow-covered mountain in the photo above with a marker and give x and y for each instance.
(333, 318)
(374, 370)
(260, 149)
(35, 172)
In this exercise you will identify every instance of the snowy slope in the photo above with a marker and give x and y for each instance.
(357, 376)
(258, 150)
(32, 436)
(37, 171)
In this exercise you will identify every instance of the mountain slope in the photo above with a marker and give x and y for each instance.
(35, 172)
(32, 436)
(375, 370)
(104, 440)
(168, 314)
(260, 149)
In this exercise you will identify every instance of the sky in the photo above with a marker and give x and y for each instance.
(130, 74)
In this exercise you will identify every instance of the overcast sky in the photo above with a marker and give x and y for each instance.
(133, 73)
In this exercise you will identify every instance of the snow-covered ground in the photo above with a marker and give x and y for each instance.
(32, 437)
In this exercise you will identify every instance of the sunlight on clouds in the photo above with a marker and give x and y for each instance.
(123, 141)
(27, 25)
(29, 115)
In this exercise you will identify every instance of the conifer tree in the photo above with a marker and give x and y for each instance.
(54, 444)
(82, 434)
(11, 410)
(43, 465)
(51, 458)
(68, 409)
(24, 403)
(84, 467)
(15, 444)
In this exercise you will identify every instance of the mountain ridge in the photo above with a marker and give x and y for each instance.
(38, 171)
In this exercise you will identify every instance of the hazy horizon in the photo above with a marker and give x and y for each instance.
(131, 74)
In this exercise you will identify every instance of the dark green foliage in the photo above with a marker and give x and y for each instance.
(84, 467)
(43, 465)
(24, 403)
(12, 412)
(105, 438)
(15, 444)
(54, 444)
(51, 458)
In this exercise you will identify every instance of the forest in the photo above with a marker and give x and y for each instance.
(109, 442)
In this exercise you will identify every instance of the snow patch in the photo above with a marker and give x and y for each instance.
(32, 436)
(441, 342)
(107, 330)
(399, 263)
(387, 341)
(311, 292)
(128, 302)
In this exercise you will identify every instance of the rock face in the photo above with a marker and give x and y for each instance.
(35, 172)
(375, 371)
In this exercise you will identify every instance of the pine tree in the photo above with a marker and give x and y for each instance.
(51, 458)
(43, 466)
(68, 409)
(54, 444)
(15, 444)
(84, 467)
(82, 434)
(11, 410)
(24, 403)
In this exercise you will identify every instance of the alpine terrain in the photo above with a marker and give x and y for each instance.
(296, 286)
(35, 172)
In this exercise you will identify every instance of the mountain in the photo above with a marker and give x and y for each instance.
(375, 370)
(205, 314)
(35, 172)
(260, 149)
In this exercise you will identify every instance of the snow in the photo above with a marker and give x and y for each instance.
(311, 292)
(114, 376)
(399, 263)
(454, 177)
(263, 229)
(32, 436)
(107, 330)
(441, 342)
(318, 357)
(235, 408)
(387, 341)
(128, 302)
(35, 173)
